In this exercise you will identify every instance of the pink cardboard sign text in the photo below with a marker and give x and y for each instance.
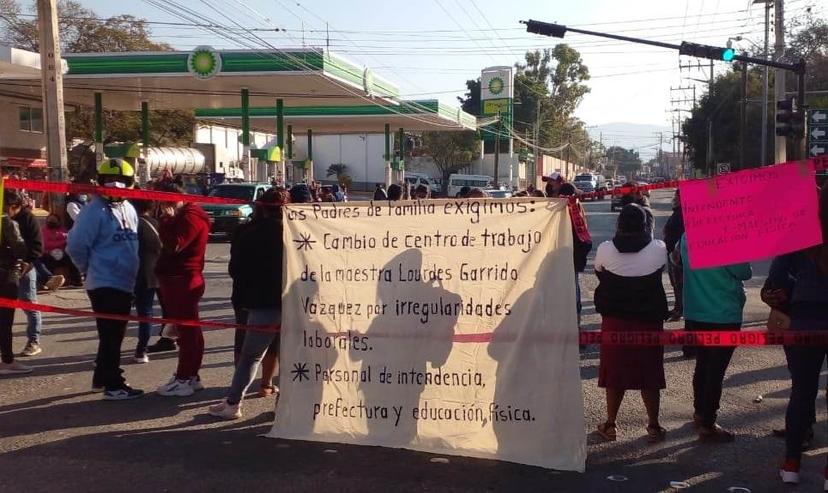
(751, 214)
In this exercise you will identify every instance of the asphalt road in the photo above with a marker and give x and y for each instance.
(57, 435)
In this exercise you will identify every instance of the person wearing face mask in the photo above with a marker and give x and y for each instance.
(103, 244)
(54, 255)
(19, 210)
(74, 204)
(184, 229)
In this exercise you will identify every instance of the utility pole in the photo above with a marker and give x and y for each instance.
(51, 71)
(780, 154)
(497, 153)
(743, 117)
(765, 83)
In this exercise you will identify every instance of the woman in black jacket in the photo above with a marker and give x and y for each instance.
(256, 268)
(630, 298)
(12, 251)
(146, 283)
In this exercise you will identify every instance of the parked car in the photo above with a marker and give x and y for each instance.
(416, 179)
(498, 194)
(589, 183)
(225, 218)
(617, 196)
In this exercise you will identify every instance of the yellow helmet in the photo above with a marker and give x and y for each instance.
(116, 170)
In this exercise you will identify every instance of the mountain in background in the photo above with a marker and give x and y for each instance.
(641, 137)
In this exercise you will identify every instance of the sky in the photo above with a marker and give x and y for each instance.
(429, 48)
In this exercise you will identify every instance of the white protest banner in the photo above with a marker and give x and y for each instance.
(445, 326)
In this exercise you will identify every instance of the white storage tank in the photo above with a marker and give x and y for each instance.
(178, 160)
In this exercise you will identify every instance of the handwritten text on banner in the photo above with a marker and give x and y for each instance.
(751, 214)
(379, 292)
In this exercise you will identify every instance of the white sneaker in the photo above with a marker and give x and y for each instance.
(195, 382)
(176, 388)
(141, 358)
(14, 368)
(789, 477)
(226, 411)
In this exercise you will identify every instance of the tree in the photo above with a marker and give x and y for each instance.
(82, 31)
(451, 151)
(720, 106)
(549, 86)
(626, 161)
(340, 170)
(471, 101)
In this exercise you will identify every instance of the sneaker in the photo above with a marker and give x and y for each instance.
(195, 382)
(790, 471)
(825, 484)
(163, 345)
(123, 393)
(32, 349)
(227, 411)
(14, 368)
(96, 387)
(176, 388)
(55, 282)
(141, 357)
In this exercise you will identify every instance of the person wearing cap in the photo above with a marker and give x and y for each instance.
(256, 268)
(582, 241)
(184, 229)
(21, 212)
(103, 244)
(553, 181)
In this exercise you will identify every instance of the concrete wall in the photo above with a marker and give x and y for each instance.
(228, 147)
(361, 153)
(13, 141)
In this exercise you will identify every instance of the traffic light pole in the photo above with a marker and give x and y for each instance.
(692, 49)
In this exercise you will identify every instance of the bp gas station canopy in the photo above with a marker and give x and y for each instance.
(319, 90)
(422, 115)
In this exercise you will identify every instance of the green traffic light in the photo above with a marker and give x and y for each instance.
(728, 54)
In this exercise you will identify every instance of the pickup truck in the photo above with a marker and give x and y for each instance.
(225, 218)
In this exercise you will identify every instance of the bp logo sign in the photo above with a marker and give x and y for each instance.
(204, 62)
(496, 85)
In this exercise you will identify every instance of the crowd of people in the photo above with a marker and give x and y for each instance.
(128, 252)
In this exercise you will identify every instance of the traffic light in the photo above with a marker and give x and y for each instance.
(545, 28)
(706, 51)
(790, 121)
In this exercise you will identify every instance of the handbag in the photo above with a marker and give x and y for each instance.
(778, 320)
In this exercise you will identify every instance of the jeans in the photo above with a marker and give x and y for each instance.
(711, 365)
(256, 344)
(110, 335)
(180, 296)
(7, 290)
(51, 265)
(43, 273)
(144, 299)
(27, 291)
(805, 365)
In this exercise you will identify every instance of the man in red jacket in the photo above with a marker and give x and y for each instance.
(184, 229)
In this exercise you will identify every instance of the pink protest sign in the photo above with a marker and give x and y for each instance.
(750, 215)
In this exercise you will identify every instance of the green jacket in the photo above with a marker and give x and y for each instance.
(715, 295)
